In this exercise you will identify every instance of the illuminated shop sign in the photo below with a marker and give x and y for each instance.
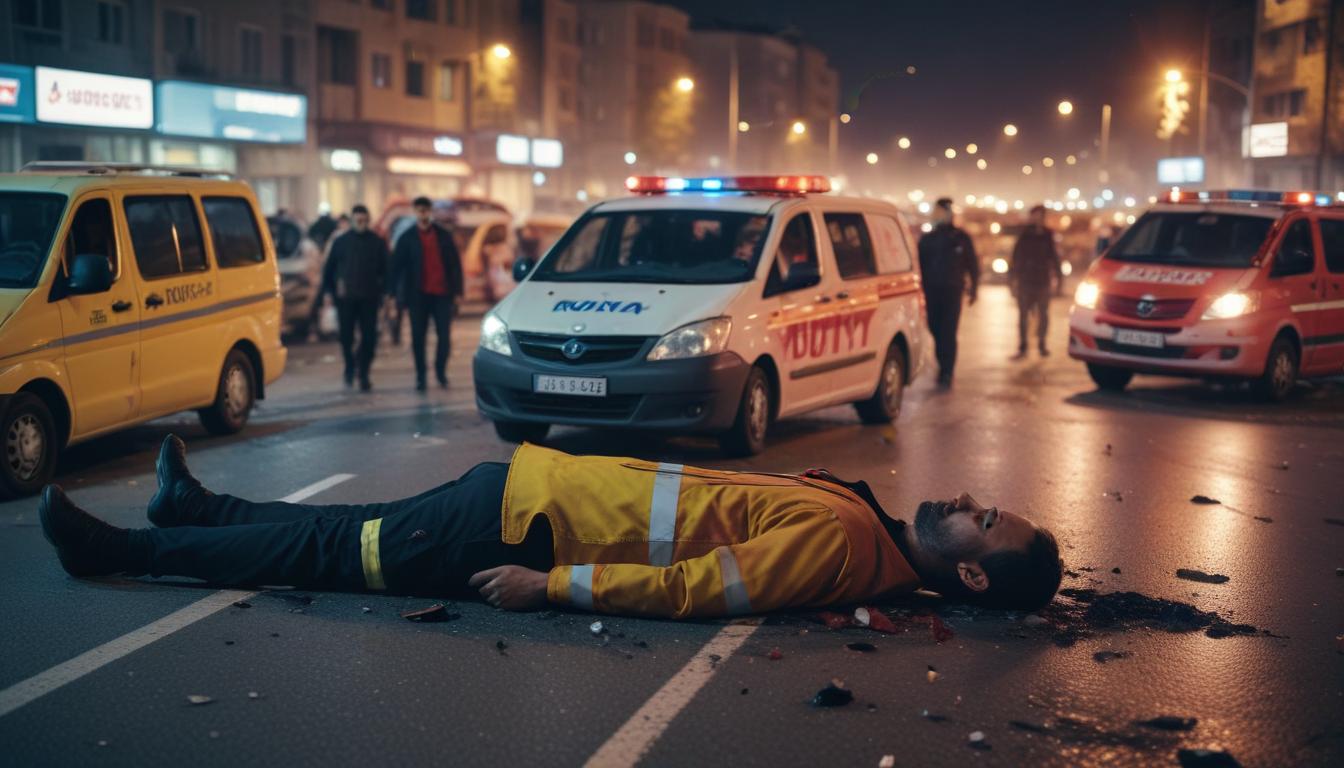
(1180, 170)
(1268, 140)
(236, 114)
(86, 98)
(16, 94)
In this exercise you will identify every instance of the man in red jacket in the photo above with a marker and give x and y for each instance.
(427, 280)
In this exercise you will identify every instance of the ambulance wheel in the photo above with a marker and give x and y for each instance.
(747, 435)
(885, 404)
(521, 431)
(31, 445)
(1280, 375)
(234, 397)
(1108, 378)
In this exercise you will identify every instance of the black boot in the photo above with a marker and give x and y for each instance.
(85, 545)
(180, 495)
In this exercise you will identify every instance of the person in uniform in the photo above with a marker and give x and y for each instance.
(949, 268)
(605, 534)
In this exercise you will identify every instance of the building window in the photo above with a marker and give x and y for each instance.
(336, 55)
(1311, 36)
(1284, 104)
(667, 39)
(644, 34)
(382, 5)
(289, 60)
(448, 81)
(181, 32)
(111, 23)
(450, 13)
(382, 70)
(415, 78)
(249, 52)
(420, 9)
(37, 14)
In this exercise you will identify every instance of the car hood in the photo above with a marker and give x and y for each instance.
(10, 300)
(1137, 279)
(615, 309)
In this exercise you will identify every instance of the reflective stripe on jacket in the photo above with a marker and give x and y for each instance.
(643, 538)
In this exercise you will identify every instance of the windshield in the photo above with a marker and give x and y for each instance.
(672, 246)
(27, 224)
(286, 235)
(1196, 238)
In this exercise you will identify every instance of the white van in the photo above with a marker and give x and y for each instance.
(708, 306)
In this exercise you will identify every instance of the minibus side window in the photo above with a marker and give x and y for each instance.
(1332, 238)
(852, 245)
(234, 232)
(92, 232)
(165, 235)
(797, 246)
(1288, 259)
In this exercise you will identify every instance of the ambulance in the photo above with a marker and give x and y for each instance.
(128, 293)
(1233, 285)
(711, 306)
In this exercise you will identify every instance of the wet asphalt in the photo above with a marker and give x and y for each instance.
(1111, 474)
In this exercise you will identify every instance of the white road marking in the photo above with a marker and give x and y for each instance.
(628, 744)
(26, 691)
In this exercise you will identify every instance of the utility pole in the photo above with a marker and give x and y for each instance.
(1204, 84)
(1105, 175)
(1324, 153)
(734, 78)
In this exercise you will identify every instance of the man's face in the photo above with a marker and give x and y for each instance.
(360, 221)
(961, 531)
(422, 215)
(941, 215)
(1037, 218)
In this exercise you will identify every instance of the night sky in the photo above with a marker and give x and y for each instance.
(982, 64)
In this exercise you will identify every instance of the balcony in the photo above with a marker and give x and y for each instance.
(337, 102)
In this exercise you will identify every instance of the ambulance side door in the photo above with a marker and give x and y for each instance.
(102, 333)
(1328, 351)
(857, 352)
(800, 290)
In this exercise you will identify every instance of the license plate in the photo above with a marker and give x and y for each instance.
(1150, 339)
(588, 386)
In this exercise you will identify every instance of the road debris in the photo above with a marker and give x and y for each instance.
(1206, 758)
(887, 761)
(366, 609)
(1264, 519)
(1083, 612)
(1023, 725)
(862, 616)
(941, 632)
(976, 740)
(1108, 449)
(1190, 574)
(1283, 465)
(927, 715)
(1101, 657)
(596, 628)
(196, 699)
(932, 674)
(1333, 520)
(861, 647)
(775, 654)
(253, 695)
(434, 613)
(833, 695)
(1169, 723)
(1116, 569)
(1034, 620)
(241, 604)
(744, 692)
(501, 646)
(1117, 495)
(1202, 499)
(103, 742)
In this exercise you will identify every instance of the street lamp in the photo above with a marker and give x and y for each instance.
(685, 84)
(949, 153)
(972, 148)
(743, 126)
(844, 117)
(500, 51)
(982, 164)
(1174, 76)
(630, 158)
(1066, 107)
(872, 158)
(1048, 162)
(1010, 130)
(903, 142)
(1026, 170)
(798, 127)
(1071, 160)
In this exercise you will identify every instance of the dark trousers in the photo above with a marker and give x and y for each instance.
(440, 308)
(361, 314)
(1032, 300)
(944, 311)
(428, 544)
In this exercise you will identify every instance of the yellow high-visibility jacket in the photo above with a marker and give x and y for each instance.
(642, 538)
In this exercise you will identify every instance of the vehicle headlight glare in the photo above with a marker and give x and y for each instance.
(1087, 294)
(707, 337)
(1228, 306)
(999, 265)
(495, 335)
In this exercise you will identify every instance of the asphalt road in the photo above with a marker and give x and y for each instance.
(329, 682)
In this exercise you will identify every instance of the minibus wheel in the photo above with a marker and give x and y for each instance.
(31, 445)
(1109, 378)
(885, 404)
(1281, 367)
(234, 397)
(521, 431)
(747, 435)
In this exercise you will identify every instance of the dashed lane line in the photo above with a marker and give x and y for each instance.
(632, 741)
(42, 683)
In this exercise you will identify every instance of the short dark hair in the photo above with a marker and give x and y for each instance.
(1023, 580)
(360, 209)
(422, 202)
(1038, 208)
(944, 202)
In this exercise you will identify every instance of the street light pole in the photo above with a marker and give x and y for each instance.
(1105, 175)
(1204, 86)
(734, 105)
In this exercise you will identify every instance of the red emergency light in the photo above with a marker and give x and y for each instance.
(1178, 195)
(760, 184)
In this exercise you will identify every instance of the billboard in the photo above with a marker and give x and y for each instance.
(1180, 170)
(1267, 140)
(16, 94)
(235, 114)
(85, 98)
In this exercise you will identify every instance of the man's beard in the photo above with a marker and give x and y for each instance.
(933, 535)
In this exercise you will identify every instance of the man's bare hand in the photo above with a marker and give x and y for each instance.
(511, 587)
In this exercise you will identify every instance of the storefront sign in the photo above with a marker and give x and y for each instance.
(238, 114)
(548, 153)
(427, 166)
(512, 150)
(1268, 140)
(85, 98)
(348, 160)
(448, 145)
(16, 94)
(1180, 170)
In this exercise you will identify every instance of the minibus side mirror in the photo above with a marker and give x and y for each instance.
(1292, 261)
(521, 267)
(89, 273)
(803, 275)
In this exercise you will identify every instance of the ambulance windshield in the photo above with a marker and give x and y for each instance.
(1195, 238)
(658, 246)
(27, 223)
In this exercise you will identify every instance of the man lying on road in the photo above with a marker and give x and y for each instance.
(605, 534)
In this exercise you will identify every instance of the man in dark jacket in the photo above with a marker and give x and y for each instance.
(355, 276)
(950, 268)
(1032, 271)
(427, 280)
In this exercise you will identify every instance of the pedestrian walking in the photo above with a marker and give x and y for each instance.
(355, 276)
(1033, 274)
(595, 533)
(427, 281)
(950, 268)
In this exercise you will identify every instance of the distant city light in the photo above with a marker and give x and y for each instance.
(1048, 162)
(500, 51)
(1001, 206)
(1026, 170)
(798, 127)
(924, 207)
(1082, 205)
(903, 142)
(538, 179)
(1098, 202)
(1018, 205)
(1071, 160)
(1129, 202)
(949, 153)
(972, 148)
(871, 158)
(743, 126)
(995, 227)
(844, 117)
(1107, 194)
(630, 158)
(981, 164)
(910, 70)
(1152, 199)
(1173, 76)
(1065, 107)
(581, 195)
(926, 227)
(1074, 193)
(915, 195)
(1129, 219)
(685, 84)
(970, 199)
(1010, 130)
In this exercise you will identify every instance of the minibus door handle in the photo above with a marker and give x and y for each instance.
(823, 299)
(153, 300)
(121, 306)
(842, 295)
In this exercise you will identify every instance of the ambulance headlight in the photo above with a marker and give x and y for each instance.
(1087, 294)
(1229, 305)
(707, 337)
(495, 335)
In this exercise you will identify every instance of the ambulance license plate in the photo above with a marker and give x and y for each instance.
(589, 386)
(1150, 339)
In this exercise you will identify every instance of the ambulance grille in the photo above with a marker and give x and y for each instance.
(611, 407)
(1157, 309)
(593, 350)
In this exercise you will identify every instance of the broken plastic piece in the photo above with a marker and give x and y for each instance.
(433, 613)
(927, 715)
(941, 632)
(932, 674)
(878, 622)
(775, 654)
(832, 696)
(253, 695)
(1034, 620)
(197, 699)
(862, 616)
(887, 761)
(1202, 499)
(834, 620)
(596, 628)
(1189, 574)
